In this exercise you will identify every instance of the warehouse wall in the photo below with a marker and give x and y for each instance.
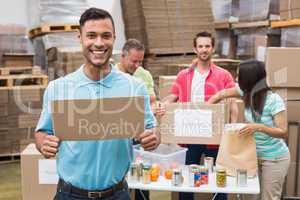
(15, 12)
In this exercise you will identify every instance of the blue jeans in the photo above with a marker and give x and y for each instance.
(193, 156)
(119, 195)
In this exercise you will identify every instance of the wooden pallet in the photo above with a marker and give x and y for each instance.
(285, 23)
(44, 29)
(23, 79)
(9, 158)
(265, 23)
(222, 25)
(35, 70)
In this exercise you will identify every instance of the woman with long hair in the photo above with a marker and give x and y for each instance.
(266, 121)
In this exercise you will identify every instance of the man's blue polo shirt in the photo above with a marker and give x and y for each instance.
(93, 164)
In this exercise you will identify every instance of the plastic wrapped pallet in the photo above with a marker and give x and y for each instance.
(290, 37)
(255, 10)
(225, 43)
(13, 39)
(55, 12)
(252, 43)
(221, 10)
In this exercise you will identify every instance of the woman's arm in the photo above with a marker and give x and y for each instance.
(223, 94)
(279, 131)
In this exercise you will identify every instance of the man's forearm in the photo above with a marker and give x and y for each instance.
(234, 111)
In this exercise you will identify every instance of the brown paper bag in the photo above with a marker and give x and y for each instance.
(237, 152)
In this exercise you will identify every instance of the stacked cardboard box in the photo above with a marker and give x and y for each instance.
(289, 9)
(169, 27)
(21, 109)
(282, 70)
(159, 65)
(62, 61)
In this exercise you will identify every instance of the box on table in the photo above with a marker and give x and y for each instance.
(165, 156)
(31, 187)
(282, 67)
(193, 123)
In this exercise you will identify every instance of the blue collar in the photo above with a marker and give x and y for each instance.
(107, 81)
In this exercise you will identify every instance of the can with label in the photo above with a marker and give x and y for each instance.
(134, 176)
(177, 177)
(192, 170)
(221, 178)
(204, 175)
(209, 163)
(146, 174)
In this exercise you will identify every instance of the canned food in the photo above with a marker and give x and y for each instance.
(241, 177)
(197, 179)
(221, 178)
(204, 175)
(134, 176)
(192, 170)
(177, 178)
(209, 163)
(146, 174)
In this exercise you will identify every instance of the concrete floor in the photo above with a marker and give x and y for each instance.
(10, 181)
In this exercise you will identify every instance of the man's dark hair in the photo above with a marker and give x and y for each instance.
(94, 14)
(204, 34)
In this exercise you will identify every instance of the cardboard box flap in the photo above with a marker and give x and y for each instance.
(98, 119)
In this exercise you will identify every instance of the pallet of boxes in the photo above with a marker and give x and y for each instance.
(21, 87)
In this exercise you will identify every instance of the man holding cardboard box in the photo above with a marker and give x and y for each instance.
(98, 167)
(197, 84)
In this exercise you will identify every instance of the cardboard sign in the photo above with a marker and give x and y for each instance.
(98, 119)
(203, 126)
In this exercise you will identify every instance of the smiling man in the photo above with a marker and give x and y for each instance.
(93, 169)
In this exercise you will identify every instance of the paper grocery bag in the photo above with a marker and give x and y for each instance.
(237, 152)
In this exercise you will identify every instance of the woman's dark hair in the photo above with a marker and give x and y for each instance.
(252, 81)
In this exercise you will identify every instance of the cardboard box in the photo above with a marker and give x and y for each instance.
(95, 119)
(293, 114)
(288, 93)
(290, 184)
(204, 124)
(165, 85)
(289, 9)
(17, 59)
(282, 67)
(31, 188)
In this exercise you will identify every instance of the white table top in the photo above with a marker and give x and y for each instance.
(165, 185)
